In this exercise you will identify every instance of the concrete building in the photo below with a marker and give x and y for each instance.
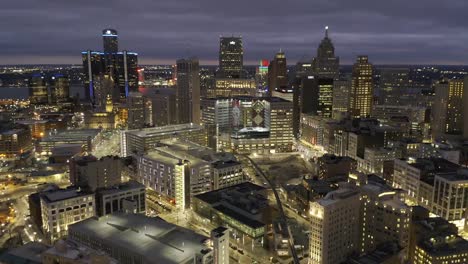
(61, 208)
(229, 87)
(183, 163)
(448, 115)
(140, 112)
(335, 229)
(394, 86)
(136, 238)
(243, 207)
(411, 175)
(330, 166)
(341, 90)
(15, 141)
(435, 240)
(326, 64)
(277, 73)
(133, 141)
(362, 88)
(127, 197)
(66, 251)
(87, 138)
(220, 237)
(91, 172)
(231, 57)
(188, 91)
(450, 196)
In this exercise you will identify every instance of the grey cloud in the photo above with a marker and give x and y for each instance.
(397, 31)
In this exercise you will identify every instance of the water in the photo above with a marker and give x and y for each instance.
(23, 92)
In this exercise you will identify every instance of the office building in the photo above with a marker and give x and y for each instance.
(362, 88)
(139, 111)
(100, 120)
(414, 176)
(394, 86)
(136, 238)
(230, 87)
(163, 103)
(196, 169)
(331, 166)
(38, 93)
(435, 240)
(231, 57)
(326, 64)
(188, 91)
(450, 196)
(220, 239)
(110, 40)
(340, 104)
(66, 251)
(317, 96)
(61, 208)
(447, 111)
(335, 229)
(243, 207)
(277, 73)
(120, 66)
(142, 140)
(91, 172)
(59, 88)
(15, 141)
(128, 197)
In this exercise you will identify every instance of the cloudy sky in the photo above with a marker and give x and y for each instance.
(389, 31)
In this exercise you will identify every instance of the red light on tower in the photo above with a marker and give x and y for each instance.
(265, 63)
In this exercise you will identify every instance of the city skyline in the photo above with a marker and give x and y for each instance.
(390, 33)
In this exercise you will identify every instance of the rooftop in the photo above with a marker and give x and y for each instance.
(75, 134)
(164, 130)
(130, 185)
(152, 238)
(63, 194)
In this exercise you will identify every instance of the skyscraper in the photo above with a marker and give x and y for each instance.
(188, 91)
(137, 110)
(59, 88)
(110, 40)
(341, 89)
(38, 89)
(394, 84)
(326, 65)
(362, 88)
(231, 57)
(277, 73)
(122, 67)
(447, 111)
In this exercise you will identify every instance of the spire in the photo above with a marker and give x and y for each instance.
(326, 31)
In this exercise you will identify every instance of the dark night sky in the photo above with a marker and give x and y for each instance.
(389, 31)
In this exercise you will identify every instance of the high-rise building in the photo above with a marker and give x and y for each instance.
(448, 108)
(335, 227)
(59, 86)
(231, 57)
(277, 73)
(326, 64)
(38, 89)
(139, 110)
(121, 66)
(394, 84)
(362, 88)
(110, 40)
(303, 70)
(88, 171)
(220, 238)
(341, 89)
(317, 96)
(188, 91)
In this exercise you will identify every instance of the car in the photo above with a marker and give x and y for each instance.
(240, 251)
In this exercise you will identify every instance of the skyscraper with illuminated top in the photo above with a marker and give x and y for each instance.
(231, 57)
(110, 40)
(326, 64)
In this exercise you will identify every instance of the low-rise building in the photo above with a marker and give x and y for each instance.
(126, 197)
(91, 172)
(243, 207)
(61, 208)
(136, 238)
(87, 138)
